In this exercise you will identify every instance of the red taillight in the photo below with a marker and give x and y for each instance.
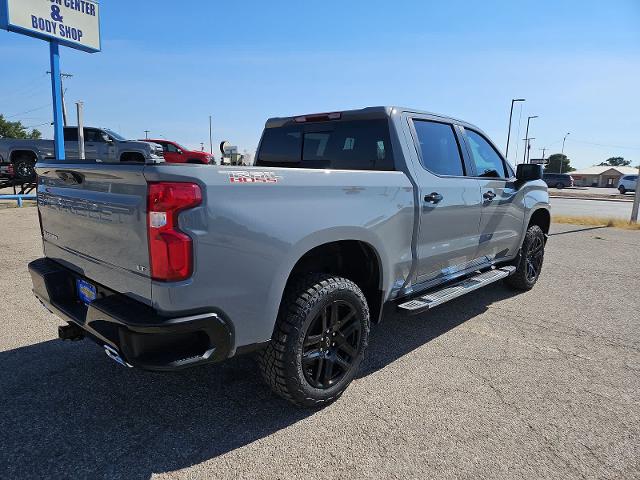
(170, 250)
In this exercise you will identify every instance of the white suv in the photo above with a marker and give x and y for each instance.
(627, 183)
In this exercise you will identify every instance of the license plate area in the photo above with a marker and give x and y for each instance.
(87, 292)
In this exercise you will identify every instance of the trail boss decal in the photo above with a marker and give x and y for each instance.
(245, 176)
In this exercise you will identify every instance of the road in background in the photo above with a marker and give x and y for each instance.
(591, 208)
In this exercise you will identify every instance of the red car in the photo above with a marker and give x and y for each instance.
(176, 153)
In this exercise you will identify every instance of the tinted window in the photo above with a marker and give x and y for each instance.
(70, 134)
(93, 135)
(487, 161)
(439, 149)
(281, 146)
(349, 145)
(168, 147)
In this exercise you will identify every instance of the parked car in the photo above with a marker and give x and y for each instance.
(558, 180)
(344, 216)
(100, 144)
(627, 183)
(176, 153)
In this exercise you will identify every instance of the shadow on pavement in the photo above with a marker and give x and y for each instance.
(578, 230)
(67, 411)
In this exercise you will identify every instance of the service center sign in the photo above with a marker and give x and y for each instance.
(74, 23)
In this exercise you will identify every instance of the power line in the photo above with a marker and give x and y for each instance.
(28, 111)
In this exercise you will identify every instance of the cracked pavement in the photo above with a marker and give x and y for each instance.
(543, 384)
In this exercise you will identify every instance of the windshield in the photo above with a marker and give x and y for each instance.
(115, 136)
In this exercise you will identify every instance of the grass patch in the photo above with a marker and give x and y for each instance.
(596, 222)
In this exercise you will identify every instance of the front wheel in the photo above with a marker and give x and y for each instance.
(24, 168)
(622, 190)
(319, 340)
(559, 186)
(530, 260)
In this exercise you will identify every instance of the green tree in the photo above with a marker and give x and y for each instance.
(615, 162)
(555, 161)
(16, 130)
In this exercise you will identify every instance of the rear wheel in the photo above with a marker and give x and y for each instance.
(622, 190)
(559, 185)
(319, 340)
(24, 168)
(530, 260)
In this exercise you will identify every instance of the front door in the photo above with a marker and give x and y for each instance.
(502, 219)
(95, 145)
(451, 203)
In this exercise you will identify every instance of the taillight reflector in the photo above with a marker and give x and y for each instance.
(170, 250)
(319, 117)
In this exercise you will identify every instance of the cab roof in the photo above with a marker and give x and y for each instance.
(367, 113)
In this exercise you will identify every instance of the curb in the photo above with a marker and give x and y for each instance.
(584, 197)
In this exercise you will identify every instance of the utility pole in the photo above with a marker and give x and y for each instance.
(79, 109)
(62, 90)
(146, 134)
(526, 151)
(562, 154)
(527, 148)
(210, 137)
(544, 149)
(509, 132)
(636, 200)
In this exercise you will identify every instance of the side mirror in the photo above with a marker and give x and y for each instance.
(527, 172)
(179, 152)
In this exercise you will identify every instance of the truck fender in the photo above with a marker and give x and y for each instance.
(317, 239)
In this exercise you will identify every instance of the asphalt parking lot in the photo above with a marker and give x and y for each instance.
(544, 384)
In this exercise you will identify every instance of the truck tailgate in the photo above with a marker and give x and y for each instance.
(93, 219)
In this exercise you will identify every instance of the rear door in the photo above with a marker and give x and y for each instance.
(451, 203)
(93, 218)
(502, 218)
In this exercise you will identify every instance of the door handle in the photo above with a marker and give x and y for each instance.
(489, 195)
(433, 197)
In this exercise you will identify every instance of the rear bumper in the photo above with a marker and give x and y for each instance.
(140, 336)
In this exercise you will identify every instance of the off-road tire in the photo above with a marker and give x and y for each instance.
(281, 361)
(521, 279)
(24, 168)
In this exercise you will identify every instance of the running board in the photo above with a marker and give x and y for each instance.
(438, 297)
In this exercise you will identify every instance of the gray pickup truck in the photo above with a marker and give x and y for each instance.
(344, 216)
(100, 144)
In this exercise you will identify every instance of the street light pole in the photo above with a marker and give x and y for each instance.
(510, 117)
(636, 200)
(562, 154)
(524, 155)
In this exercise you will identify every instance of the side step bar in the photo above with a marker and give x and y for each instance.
(438, 297)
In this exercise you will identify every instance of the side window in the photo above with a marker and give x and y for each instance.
(91, 135)
(439, 148)
(71, 135)
(170, 148)
(487, 161)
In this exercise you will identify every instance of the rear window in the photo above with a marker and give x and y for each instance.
(348, 145)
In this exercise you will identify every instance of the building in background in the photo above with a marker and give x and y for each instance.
(601, 176)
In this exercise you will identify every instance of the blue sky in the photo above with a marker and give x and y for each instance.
(166, 66)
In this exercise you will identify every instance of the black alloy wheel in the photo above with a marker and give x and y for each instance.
(534, 257)
(331, 344)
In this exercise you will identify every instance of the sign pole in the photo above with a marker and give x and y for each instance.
(56, 90)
